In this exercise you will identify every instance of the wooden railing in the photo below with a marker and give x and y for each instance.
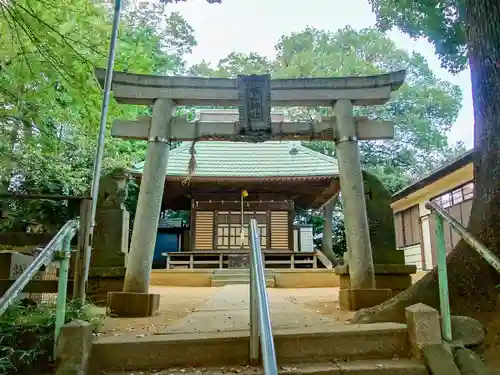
(220, 259)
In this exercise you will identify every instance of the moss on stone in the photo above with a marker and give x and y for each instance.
(381, 221)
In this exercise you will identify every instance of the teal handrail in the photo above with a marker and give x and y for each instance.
(444, 298)
(58, 249)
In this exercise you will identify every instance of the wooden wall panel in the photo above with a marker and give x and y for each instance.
(432, 230)
(279, 230)
(455, 212)
(466, 208)
(408, 227)
(398, 224)
(416, 227)
(204, 224)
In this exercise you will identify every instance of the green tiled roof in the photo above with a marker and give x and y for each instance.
(240, 159)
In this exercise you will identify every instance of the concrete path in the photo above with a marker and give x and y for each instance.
(228, 310)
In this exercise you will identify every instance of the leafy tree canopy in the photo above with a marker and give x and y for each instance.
(437, 20)
(51, 101)
(423, 109)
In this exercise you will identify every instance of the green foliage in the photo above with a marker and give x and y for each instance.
(439, 21)
(27, 333)
(51, 101)
(234, 64)
(423, 109)
(179, 1)
(315, 218)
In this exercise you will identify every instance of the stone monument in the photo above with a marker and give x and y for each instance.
(111, 234)
(391, 272)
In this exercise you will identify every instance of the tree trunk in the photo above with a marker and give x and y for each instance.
(473, 283)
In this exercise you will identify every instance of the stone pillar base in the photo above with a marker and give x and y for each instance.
(132, 305)
(98, 289)
(357, 299)
(103, 280)
(396, 277)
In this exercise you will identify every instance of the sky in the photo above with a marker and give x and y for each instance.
(256, 26)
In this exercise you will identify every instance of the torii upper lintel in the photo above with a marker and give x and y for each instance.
(145, 89)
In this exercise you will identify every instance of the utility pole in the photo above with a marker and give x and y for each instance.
(89, 224)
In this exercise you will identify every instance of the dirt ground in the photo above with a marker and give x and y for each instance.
(324, 301)
(175, 303)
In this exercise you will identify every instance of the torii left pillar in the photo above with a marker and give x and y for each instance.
(362, 290)
(135, 300)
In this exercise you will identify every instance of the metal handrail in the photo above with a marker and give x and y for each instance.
(42, 259)
(260, 317)
(488, 256)
(57, 249)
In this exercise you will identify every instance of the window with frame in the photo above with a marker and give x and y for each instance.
(228, 231)
(408, 227)
(455, 196)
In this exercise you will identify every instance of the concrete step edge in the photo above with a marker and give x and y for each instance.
(239, 280)
(239, 274)
(368, 367)
(316, 331)
(269, 284)
(236, 277)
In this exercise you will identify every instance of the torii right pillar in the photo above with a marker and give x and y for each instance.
(362, 292)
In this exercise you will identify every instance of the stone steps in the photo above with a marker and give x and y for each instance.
(238, 276)
(380, 341)
(359, 367)
(270, 283)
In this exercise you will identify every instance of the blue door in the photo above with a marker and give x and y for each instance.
(165, 243)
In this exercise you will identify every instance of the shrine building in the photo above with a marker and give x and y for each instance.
(278, 176)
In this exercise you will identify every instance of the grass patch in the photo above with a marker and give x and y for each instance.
(27, 334)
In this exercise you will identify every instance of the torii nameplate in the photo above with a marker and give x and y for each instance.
(254, 97)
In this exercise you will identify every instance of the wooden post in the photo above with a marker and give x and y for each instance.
(192, 227)
(328, 231)
(291, 217)
(79, 281)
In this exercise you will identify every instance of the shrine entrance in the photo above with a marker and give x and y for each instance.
(254, 96)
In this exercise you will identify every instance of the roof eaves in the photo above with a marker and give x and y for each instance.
(450, 167)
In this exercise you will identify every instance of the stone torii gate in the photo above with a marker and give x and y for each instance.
(254, 95)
